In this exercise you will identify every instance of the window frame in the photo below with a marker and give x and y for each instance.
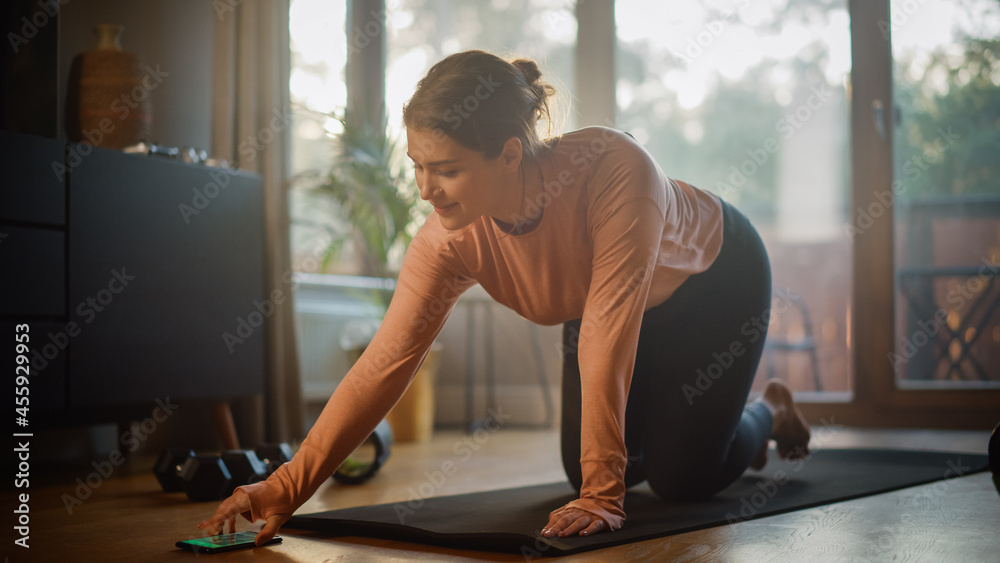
(876, 399)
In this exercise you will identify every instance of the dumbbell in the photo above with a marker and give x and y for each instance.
(273, 455)
(209, 477)
(206, 477)
(168, 466)
(214, 477)
(244, 467)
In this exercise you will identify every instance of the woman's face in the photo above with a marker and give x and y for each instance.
(461, 184)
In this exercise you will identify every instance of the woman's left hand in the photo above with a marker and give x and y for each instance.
(569, 521)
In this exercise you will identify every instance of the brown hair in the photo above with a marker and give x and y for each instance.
(481, 101)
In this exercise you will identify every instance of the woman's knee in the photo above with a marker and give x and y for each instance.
(685, 480)
(681, 488)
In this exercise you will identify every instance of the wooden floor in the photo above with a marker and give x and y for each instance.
(127, 518)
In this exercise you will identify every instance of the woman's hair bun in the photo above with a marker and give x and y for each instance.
(449, 98)
(529, 68)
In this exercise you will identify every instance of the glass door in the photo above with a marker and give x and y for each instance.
(946, 189)
(749, 100)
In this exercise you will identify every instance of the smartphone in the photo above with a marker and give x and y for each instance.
(224, 542)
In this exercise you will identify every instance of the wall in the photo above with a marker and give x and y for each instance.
(28, 65)
(174, 35)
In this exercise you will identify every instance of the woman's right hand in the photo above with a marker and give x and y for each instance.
(236, 505)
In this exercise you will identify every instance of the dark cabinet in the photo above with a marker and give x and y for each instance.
(34, 271)
(141, 278)
(34, 187)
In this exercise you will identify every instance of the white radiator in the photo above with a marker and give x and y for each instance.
(324, 307)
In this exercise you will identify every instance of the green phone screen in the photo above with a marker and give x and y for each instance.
(223, 542)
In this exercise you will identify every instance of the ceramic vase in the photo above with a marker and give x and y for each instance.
(107, 104)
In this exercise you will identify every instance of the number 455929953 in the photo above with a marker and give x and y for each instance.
(21, 373)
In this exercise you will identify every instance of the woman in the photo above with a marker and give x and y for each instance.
(667, 284)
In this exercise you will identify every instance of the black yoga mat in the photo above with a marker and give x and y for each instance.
(509, 520)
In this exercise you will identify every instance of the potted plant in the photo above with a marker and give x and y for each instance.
(372, 200)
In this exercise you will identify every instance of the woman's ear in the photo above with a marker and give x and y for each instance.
(510, 156)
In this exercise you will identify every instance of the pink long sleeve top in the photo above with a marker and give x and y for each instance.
(616, 237)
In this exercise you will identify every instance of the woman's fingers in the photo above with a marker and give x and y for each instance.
(270, 528)
(227, 511)
(596, 526)
(214, 525)
(569, 522)
(561, 520)
(576, 526)
(557, 522)
(231, 508)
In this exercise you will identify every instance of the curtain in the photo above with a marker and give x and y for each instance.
(251, 119)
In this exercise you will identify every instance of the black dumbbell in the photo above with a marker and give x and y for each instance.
(245, 467)
(206, 477)
(214, 477)
(168, 467)
(211, 477)
(273, 455)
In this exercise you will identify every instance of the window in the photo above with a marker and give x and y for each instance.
(748, 100)
(318, 89)
(423, 32)
(946, 89)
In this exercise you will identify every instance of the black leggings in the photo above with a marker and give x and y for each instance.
(688, 429)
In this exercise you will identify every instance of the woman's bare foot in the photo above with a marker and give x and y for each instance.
(789, 428)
